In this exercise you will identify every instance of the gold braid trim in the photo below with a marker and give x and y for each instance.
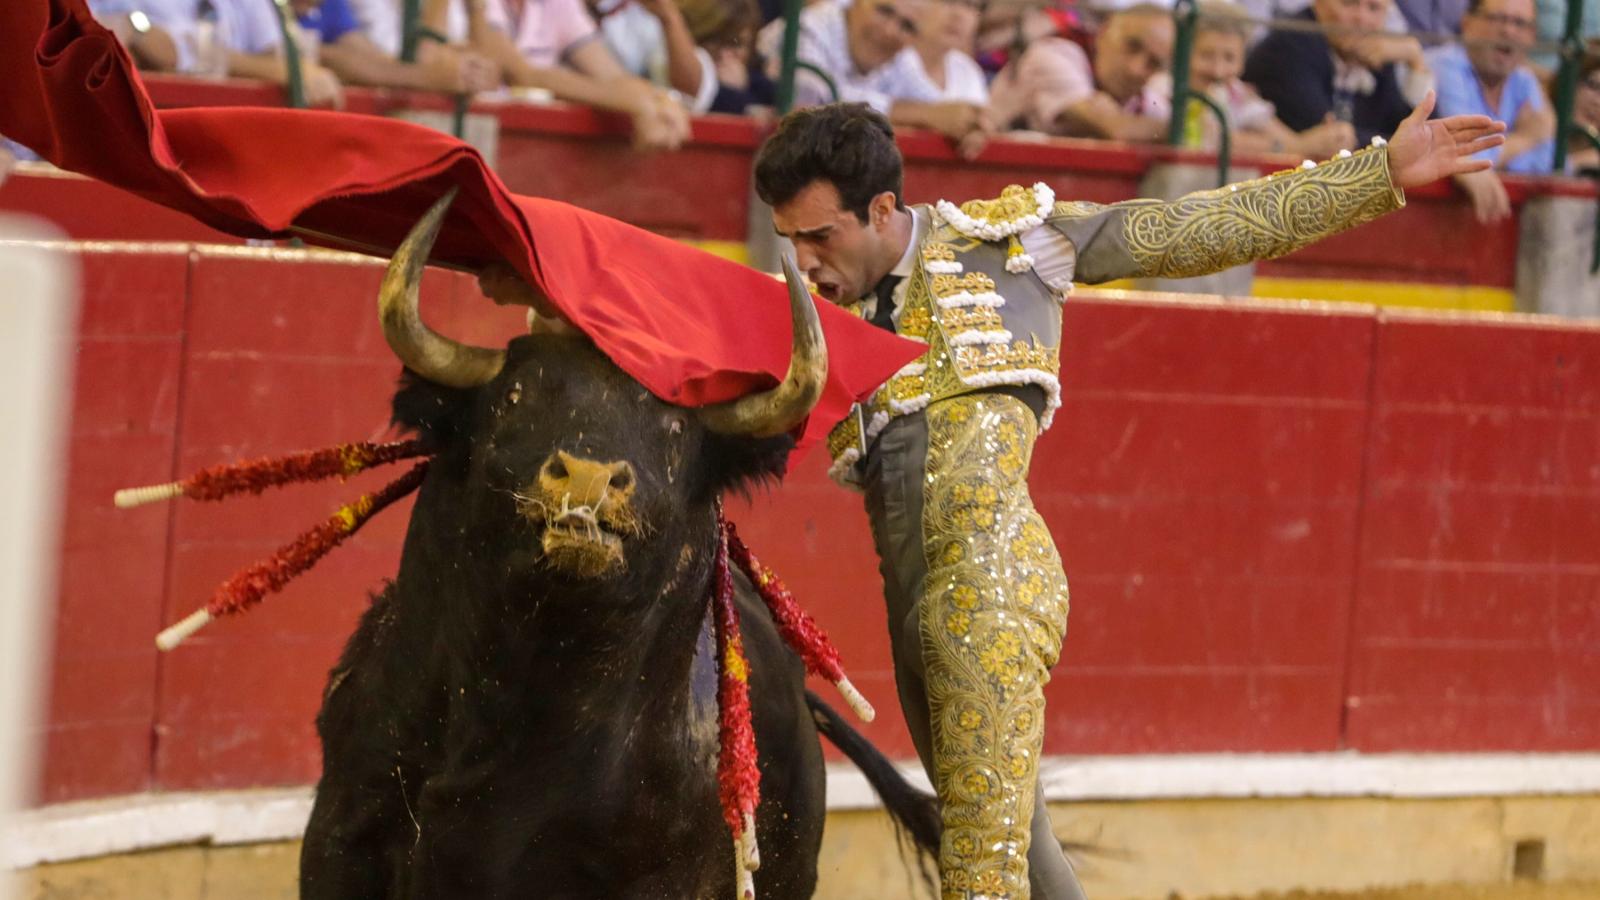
(1260, 219)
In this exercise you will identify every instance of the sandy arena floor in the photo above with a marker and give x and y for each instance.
(1522, 890)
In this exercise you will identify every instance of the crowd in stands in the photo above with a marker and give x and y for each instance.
(1323, 76)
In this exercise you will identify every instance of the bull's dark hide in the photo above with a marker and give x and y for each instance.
(501, 727)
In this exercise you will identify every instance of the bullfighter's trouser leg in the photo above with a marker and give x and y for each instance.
(977, 605)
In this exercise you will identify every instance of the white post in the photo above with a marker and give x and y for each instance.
(38, 315)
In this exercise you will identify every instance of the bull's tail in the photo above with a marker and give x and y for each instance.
(914, 813)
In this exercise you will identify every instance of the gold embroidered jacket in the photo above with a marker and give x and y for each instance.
(989, 320)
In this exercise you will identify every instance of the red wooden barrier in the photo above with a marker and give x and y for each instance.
(1263, 511)
(1477, 622)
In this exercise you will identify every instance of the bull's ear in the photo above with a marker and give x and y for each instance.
(741, 464)
(433, 411)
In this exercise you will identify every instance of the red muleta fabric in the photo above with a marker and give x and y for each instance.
(692, 328)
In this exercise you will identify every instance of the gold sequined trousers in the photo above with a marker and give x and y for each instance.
(977, 604)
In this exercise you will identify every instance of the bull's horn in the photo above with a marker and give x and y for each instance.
(424, 351)
(785, 406)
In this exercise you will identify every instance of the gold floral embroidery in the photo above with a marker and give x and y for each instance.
(845, 436)
(1015, 202)
(1260, 219)
(993, 569)
(971, 318)
(972, 283)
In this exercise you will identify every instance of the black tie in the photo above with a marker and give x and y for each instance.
(883, 314)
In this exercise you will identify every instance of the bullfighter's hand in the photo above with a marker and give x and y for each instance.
(501, 283)
(1423, 150)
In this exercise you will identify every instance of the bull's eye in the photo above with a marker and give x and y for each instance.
(514, 393)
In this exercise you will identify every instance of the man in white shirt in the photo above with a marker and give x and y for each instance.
(864, 49)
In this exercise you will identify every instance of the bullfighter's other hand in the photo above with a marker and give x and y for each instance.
(1423, 150)
(501, 283)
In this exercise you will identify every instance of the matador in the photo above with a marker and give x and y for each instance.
(976, 595)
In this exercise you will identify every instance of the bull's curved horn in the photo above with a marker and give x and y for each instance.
(424, 351)
(785, 406)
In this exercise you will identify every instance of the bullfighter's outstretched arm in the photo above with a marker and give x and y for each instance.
(1209, 231)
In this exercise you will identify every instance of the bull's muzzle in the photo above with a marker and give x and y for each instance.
(586, 507)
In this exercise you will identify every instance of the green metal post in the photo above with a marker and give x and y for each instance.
(1184, 15)
(411, 13)
(291, 55)
(1567, 80)
(1593, 137)
(791, 47)
(827, 80)
(458, 118)
(1225, 146)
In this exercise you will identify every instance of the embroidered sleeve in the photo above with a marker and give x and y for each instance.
(1209, 231)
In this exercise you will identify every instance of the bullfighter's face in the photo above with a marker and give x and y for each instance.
(840, 254)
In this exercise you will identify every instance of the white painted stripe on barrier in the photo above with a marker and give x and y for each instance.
(143, 821)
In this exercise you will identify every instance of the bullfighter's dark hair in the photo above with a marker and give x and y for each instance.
(849, 145)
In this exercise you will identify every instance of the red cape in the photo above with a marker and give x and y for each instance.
(691, 327)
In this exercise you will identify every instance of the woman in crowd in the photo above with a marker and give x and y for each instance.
(1216, 62)
(726, 29)
(1582, 157)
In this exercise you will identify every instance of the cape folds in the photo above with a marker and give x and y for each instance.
(692, 328)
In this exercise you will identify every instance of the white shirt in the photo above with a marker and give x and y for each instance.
(825, 43)
(963, 79)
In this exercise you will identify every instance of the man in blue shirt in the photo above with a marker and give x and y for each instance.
(1488, 74)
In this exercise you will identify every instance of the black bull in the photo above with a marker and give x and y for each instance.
(529, 708)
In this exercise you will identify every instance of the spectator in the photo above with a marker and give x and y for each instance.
(864, 49)
(1349, 70)
(1005, 30)
(1582, 157)
(946, 35)
(1054, 88)
(555, 45)
(344, 48)
(155, 34)
(652, 41)
(1215, 63)
(214, 37)
(726, 29)
(1488, 74)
